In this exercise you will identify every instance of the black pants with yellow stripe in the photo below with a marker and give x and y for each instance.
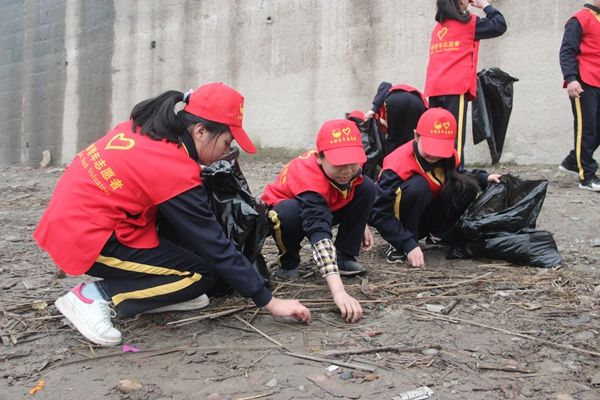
(351, 221)
(586, 124)
(138, 280)
(403, 111)
(421, 214)
(457, 105)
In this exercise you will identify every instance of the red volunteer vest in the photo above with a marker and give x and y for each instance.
(404, 163)
(589, 56)
(453, 55)
(303, 174)
(114, 185)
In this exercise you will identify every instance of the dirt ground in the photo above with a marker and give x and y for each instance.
(509, 332)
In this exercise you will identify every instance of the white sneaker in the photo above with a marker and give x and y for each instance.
(90, 317)
(189, 305)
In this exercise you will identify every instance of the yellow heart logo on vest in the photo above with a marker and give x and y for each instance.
(119, 142)
(446, 124)
(442, 32)
(346, 131)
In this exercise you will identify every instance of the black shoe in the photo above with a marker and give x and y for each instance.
(592, 184)
(287, 274)
(394, 256)
(348, 265)
(568, 168)
(435, 241)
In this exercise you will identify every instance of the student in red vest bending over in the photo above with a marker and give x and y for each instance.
(101, 219)
(580, 64)
(421, 192)
(452, 70)
(315, 191)
(398, 109)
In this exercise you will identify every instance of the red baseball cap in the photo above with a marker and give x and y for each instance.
(339, 140)
(437, 128)
(356, 115)
(220, 103)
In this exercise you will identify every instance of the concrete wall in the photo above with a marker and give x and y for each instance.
(70, 69)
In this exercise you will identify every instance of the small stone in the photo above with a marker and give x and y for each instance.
(597, 292)
(301, 388)
(429, 352)
(46, 158)
(214, 396)
(346, 375)
(13, 239)
(595, 242)
(527, 392)
(271, 383)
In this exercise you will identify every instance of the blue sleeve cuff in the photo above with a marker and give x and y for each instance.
(262, 298)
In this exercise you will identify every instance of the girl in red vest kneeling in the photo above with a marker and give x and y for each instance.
(421, 192)
(315, 191)
(102, 217)
(453, 53)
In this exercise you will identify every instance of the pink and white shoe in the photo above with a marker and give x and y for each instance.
(92, 318)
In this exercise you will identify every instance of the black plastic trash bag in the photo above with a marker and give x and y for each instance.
(526, 247)
(500, 224)
(242, 217)
(492, 108)
(372, 142)
(511, 205)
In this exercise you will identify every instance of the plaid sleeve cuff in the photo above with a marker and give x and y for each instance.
(325, 257)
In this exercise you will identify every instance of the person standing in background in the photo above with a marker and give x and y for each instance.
(453, 53)
(580, 65)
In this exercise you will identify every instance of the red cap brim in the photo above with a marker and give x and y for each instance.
(346, 155)
(437, 147)
(242, 139)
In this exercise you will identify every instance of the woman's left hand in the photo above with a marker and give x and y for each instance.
(494, 178)
(367, 242)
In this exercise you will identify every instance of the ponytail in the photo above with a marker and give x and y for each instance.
(448, 9)
(156, 117)
(456, 184)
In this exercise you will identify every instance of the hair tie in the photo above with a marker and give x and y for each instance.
(186, 96)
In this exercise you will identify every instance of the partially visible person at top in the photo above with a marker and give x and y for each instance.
(420, 191)
(451, 79)
(101, 219)
(314, 192)
(580, 64)
(397, 108)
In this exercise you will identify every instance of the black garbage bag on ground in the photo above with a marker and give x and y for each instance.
(372, 142)
(492, 108)
(511, 205)
(500, 224)
(242, 217)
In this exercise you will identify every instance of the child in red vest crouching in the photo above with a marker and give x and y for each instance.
(314, 192)
(103, 216)
(421, 192)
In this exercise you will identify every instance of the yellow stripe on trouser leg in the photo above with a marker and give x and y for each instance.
(459, 132)
(397, 203)
(578, 138)
(274, 217)
(188, 278)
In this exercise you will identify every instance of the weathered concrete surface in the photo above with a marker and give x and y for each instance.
(71, 69)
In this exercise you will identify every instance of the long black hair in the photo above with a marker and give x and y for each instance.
(448, 9)
(157, 118)
(456, 184)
